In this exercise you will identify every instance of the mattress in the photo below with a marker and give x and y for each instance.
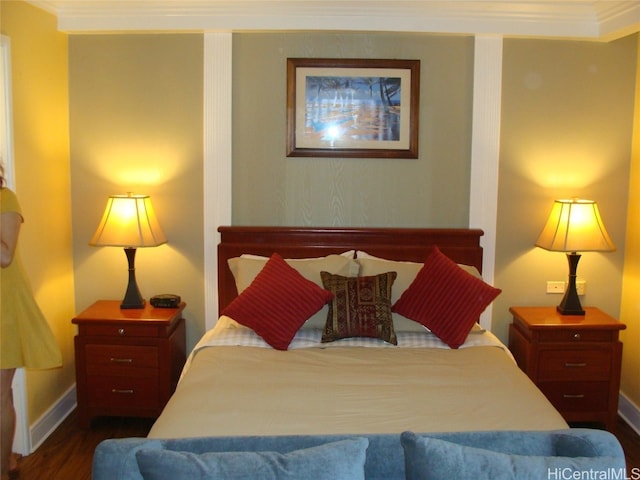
(234, 384)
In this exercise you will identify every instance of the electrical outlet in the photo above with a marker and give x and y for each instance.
(555, 286)
(581, 286)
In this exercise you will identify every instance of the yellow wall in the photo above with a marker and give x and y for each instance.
(136, 107)
(41, 135)
(630, 307)
(567, 116)
(135, 116)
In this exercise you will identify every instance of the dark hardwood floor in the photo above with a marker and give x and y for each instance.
(68, 452)
(630, 441)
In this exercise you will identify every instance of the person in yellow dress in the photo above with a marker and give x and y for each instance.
(26, 339)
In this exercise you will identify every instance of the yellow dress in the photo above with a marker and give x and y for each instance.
(26, 340)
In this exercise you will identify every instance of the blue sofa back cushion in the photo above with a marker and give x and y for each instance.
(336, 460)
(430, 458)
(115, 459)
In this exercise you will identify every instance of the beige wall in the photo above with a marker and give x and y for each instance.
(567, 111)
(566, 127)
(630, 308)
(565, 131)
(136, 126)
(271, 189)
(41, 135)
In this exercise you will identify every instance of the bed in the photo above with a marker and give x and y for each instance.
(364, 362)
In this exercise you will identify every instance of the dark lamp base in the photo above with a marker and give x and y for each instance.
(568, 311)
(132, 298)
(128, 304)
(570, 304)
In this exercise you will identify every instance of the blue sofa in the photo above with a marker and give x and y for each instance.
(524, 454)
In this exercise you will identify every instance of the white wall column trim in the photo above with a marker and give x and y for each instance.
(485, 150)
(217, 159)
(22, 442)
(485, 147)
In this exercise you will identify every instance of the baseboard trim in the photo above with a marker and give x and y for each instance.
(49, 421)
(630, 412)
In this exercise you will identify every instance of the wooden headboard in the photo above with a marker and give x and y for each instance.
(409, 244)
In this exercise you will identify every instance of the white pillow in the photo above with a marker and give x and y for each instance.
(246, 267)
(348, 254)
(467, 268)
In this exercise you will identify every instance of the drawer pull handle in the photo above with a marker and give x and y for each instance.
(566, 395)
(576, 336)
(575, 365)
(121, 360)
(115, 390)
(121, 331)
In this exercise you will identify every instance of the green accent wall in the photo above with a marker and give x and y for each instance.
(270, 188)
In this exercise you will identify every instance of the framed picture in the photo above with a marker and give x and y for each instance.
(352, 108)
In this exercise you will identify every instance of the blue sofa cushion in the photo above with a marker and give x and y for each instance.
(429, 458)
(342, 459)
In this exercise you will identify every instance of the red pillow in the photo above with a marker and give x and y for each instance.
(277, 303)
(445, 299)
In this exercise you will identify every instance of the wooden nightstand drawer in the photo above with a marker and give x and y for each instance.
(119, 330)
(118, 391)
(573, 359)
(128, 361)
(576, 335)
(574, 364)
(577, 396)
(121, 356)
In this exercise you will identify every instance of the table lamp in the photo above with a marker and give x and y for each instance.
(574, 226)
(129, 221)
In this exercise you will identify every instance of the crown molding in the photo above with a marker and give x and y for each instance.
(582, 19)
(618, 19)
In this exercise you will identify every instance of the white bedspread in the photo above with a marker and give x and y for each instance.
(234, 384)
(228, 332)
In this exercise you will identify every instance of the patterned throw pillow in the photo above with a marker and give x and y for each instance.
(445, 299)
(277, 303)
(361, 307)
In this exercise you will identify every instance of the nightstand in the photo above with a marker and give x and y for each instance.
(573, 359)
(128, 361)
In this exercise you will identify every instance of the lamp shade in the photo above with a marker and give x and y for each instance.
(128, 221)
(575, 226)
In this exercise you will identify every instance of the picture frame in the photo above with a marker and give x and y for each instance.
(363, 108)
